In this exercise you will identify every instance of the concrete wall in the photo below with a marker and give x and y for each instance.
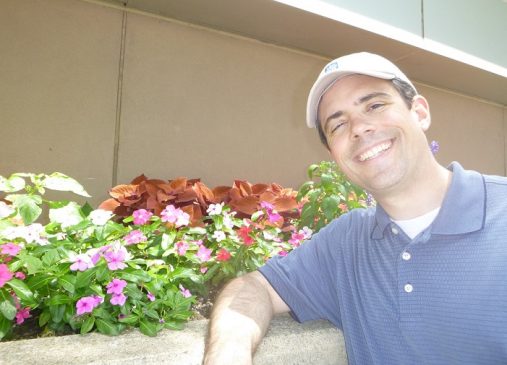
(104, 95)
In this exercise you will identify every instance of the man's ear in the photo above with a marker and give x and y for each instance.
(421, 108)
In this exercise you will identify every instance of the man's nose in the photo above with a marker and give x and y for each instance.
(360, 126)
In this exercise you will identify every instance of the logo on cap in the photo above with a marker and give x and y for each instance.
(331, 67)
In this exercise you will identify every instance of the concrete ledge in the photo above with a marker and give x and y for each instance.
(287, 342)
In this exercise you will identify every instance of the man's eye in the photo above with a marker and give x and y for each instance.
(335, 126)
(376, 106)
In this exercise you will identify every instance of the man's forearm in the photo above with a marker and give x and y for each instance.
(239, 320)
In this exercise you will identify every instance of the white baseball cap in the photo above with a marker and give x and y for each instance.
(363, 63)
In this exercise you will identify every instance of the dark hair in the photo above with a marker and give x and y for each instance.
(406, 91)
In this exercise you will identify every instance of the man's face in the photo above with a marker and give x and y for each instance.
(374, 138)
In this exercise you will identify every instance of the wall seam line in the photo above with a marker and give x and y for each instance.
(117, 125)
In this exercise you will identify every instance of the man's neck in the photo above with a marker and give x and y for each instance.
(425, 194)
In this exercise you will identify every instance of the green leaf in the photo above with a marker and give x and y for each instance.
(68, 282)
(23, 292)
(8, 309)
(107, 327)
(51, 257)
(102, 273)
(197, 231)
(167, 239)
(174, 325)
(86, 209)
(59, 299)
(135, 276)
(44, 318)
(38, 281)
(5, 327)
(83, 278)
(60, 182)
(330, 206)
(87, 325)
(151, 313)
(148, 328)
(130, 319)
(57, 312)
(12, 184)
(27, 206)
(33, 264)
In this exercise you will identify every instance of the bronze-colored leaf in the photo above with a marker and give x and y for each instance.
(123, 191)
(109, 204)
(247, 205)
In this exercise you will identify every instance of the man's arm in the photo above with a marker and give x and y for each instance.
(240, 319)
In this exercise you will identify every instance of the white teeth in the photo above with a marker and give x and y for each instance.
(374, 151)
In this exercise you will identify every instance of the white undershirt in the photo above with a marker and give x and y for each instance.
(412, 227)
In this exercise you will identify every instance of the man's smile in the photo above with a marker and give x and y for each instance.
(375, 151)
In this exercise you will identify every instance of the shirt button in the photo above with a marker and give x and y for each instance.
(408, 288)
(406, 256)
(394, 230)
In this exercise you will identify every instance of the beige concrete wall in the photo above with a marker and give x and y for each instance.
(190, 102)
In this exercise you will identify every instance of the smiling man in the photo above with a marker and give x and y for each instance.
(418, 279)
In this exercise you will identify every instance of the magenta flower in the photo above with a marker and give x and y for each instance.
(136, 236)
(175, 215)
(141, 216)
(181, 247)
(10, 249)
(185, 292)
(5, 274)
(22, 314)
(98, 300)
(267, 206)
(81, 262)
(150, 296)
(19, 275)
(115, 258)
(282, 253)
(87, 304)
(273, 216)
(118, 299)
(116, 286)
(203, 253)
(296, 239)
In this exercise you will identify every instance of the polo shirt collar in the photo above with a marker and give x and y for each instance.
(463, 209)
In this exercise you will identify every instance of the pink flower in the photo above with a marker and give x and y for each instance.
(274, 217)
(118, 299)
(282, 253)
(141, 216)
(181, 247)
(150, 296)
(175, 215)
(136, 236)
(10, 249)
(115, 258)
(116, 286)
(81, 262)
(98, 300)
(268, 206)
(185, 292)
(296, 239)
(87, 304)
(223, 255)
(19, 275)
(203, 253)
(22, 314)
(204, 269)
(5, 274)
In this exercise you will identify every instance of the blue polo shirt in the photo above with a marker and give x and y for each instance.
(440, 298)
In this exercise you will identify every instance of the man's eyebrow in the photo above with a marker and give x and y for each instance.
(365, 98)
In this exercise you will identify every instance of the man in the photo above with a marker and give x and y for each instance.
(421, 278)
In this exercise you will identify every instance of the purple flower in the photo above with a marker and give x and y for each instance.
(116, 286)
(87, 304)
(116, 257)
(141, 216)
(118, 299)
(81, 262)
(434, 147)
(136, 236)
(150, 296)
(203, 253)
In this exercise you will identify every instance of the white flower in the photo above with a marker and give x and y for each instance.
(228, 223)
(99, 217)
(5, 210)
(219, 236)
(215, 209)
(67, 216)
(31, 233)
(306, 232)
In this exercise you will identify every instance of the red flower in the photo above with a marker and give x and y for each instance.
(244, 233)
(223, 255)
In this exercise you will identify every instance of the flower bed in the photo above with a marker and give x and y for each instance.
(145, 255)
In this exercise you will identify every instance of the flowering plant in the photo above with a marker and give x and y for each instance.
(86, 271)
